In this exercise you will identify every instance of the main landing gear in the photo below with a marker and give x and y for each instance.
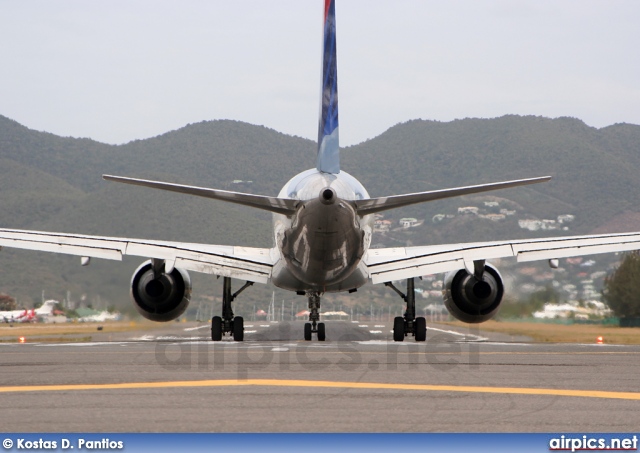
(314, 316)
(227, 323)
(409, 324)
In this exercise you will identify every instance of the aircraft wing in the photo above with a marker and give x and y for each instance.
(398, 263)
(245, 263)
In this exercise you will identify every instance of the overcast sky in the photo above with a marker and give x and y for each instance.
(121, 70)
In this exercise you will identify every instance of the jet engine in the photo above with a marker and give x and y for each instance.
(470, 299)
(161, 297)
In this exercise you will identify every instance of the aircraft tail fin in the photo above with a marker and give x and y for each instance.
(46, 308)
(328, 143)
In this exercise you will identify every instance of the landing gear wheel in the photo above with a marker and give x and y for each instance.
(321, 332)
(238, 328)
(216, 328)
(307, 331)
(421, 329)
(398, 328)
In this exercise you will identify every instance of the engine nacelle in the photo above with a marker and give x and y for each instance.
(161, 299)
(471, 300)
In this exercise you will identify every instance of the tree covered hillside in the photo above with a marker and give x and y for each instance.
(54, 183)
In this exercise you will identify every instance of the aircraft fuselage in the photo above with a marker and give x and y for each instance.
(322, 245)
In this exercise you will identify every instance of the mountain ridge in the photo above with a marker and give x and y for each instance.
(54, 183)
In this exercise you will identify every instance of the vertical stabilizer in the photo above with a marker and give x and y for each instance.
(328, 143)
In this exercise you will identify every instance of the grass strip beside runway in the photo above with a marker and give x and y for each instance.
(325, 384)
(547, 332)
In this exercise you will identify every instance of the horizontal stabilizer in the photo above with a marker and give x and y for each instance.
(373, 205)
(284, 206)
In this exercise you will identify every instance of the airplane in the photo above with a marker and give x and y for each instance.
(322, 229)
(101, 317)
(12, 316)
(26, 315)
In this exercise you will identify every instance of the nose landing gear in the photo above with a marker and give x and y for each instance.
(314, 326)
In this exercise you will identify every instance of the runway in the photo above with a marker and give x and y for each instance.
(174, 380)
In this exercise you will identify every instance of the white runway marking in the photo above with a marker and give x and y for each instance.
(465, 335)
(380, 342)
(375, 331)
(502, 343)
(98, 343)
(175, 338)
(189, 329)
(144, 338)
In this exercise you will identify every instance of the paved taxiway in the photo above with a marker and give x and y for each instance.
(173, 379)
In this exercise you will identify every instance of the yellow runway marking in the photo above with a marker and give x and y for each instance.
(325, 384)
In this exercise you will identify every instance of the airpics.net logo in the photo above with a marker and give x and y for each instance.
(588, 443)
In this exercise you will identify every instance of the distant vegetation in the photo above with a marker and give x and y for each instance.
(525, 309)
(54, 183)
(622, 287)
(7, 303)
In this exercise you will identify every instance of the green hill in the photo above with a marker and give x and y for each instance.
(54, 183)
(594, 170)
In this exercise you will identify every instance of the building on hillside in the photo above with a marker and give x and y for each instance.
(530, 224)
(468, 210)
(566, 218)
(382, 225)
(493, 217)
(408, 222)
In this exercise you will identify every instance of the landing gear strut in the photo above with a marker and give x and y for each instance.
(227, 323)
(314, 326)
(409, 324)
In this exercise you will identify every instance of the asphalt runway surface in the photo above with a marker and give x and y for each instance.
(175, 380)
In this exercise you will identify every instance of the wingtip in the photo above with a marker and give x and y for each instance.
(113, 178)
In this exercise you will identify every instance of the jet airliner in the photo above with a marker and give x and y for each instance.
(322, 228)
(46, 309)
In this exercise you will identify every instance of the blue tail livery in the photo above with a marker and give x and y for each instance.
(328, 142)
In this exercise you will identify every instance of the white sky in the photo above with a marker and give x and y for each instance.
(120, 70)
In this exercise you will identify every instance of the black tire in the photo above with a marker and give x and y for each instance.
(321, 332)
(307, 331)
(421, 329)
(238, 328)
(216, 328)
(398, 329)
